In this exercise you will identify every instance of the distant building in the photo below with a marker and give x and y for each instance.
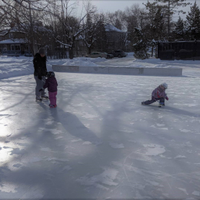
(180, 50)
(115, 37)
(13, 42)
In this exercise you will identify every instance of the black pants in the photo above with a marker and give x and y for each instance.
(162, 101)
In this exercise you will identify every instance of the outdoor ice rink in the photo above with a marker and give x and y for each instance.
(100, 142)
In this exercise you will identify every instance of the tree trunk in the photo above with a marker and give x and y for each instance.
(89, 50)
(71, 54)
(168, 19)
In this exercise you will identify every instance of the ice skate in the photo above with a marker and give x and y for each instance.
(52, 106)
(38, 99)
(161, 104)
(45, 97)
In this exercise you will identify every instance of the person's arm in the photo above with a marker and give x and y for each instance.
(45, 65)
(46, 84)
(166, 97)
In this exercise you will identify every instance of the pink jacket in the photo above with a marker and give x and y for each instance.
(159, 92)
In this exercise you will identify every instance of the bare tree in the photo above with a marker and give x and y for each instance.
(68, 28)
(134, 19)
(117, 19)
(27, 17)
(4, 18)
(92, 27)
(171, 8)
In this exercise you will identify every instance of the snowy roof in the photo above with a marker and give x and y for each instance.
(13, 41)
(109, 27)
(3, 32)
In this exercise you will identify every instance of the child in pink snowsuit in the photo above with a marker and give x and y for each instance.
(158, 94)
(51, 84)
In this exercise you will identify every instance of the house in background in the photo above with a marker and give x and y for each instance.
(13, 42)
(179, 50)
(115, 37)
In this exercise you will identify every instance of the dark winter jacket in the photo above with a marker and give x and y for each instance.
(39, 63)
(159, 92)
(51, 84)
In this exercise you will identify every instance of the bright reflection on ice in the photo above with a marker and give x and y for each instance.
(5, 153)
(7, 187)
(4, 130)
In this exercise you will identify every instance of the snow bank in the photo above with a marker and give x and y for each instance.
(18, 66)
(83, 61)
(12, 66)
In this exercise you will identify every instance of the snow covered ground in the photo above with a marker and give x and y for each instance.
(99, 143)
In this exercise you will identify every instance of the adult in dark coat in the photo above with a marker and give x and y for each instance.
(40, 71)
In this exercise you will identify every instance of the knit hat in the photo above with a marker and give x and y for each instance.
(164, 85)
(42, 51)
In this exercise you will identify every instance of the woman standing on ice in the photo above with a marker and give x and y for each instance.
(40, 71)
(158, 94)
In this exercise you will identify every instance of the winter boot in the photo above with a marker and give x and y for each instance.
(52, 106)
(161, 104)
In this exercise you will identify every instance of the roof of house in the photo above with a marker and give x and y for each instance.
(3, 32)
(13, 41)
(109, 27)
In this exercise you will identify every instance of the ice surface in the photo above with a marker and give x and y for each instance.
(100, 142)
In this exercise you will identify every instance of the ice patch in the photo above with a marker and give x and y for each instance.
(57, 159)
(5, 153)
(34, 159)
(152, 150)
(188, 144)
(179, 156)
(88, 116)
(154, 183)
(185, 130)
(159, 127)
(186, 105)
(33, 192)
(46, 149)
(66, 168)
(78, 140)
(116, 145)
(60, 137)
(184, 190)
(7, 187)
(4, 130)
(86, 143)
(105, 178)
(49, 121)
(196, 193)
